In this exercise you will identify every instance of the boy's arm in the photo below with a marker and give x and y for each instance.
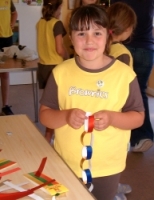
(131, 115)
(127, 120)
(122, 120)
(52, 118)
(57, 118)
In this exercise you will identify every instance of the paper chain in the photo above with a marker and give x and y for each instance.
(87, 151)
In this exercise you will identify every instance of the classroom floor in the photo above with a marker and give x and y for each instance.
(139, 172)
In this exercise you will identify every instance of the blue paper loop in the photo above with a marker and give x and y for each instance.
(87, 152)
(86, 176)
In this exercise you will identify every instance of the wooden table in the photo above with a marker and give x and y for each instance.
(27, 146)
(16, 65)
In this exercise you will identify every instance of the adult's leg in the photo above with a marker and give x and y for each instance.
(5, 79)
(143, 61)
(5, 82)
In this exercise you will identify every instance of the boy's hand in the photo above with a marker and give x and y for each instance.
(102, 120)
(75, 118)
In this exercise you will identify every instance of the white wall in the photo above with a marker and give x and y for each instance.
(28, 17)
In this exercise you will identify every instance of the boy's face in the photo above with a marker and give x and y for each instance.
(89, 44)
(87, 2)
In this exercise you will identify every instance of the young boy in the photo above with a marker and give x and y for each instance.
(98, 84)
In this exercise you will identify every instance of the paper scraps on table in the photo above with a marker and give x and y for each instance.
(5, 188)
(37, 177)
(9, 172)
(54, 188)
(20, 189)
(41, 167)
(18, 195)
(4, 164)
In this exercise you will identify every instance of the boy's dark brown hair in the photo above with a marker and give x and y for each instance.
(82, 17)
(49, 8)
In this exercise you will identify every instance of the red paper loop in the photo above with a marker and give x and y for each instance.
(90, 123)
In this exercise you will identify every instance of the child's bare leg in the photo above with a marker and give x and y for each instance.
(49, 133)
(5, 82)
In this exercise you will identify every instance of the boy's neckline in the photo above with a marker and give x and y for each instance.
(94, 70)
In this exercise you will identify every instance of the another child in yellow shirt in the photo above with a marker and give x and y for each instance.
(50, 45)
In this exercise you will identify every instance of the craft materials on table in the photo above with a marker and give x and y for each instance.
(4, 165)
(54, 188)
(18, 195)
(50, 186)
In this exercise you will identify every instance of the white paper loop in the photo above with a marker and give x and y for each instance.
(86, 123)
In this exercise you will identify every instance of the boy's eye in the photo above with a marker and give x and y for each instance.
(81, 34)
(98, 33)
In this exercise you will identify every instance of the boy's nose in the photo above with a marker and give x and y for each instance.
(89, 39)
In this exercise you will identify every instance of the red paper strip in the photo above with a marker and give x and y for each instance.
(9, 172)
(90, 123)
(18, 195)
(41, 167)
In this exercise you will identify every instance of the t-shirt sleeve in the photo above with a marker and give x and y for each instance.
(124, 58)
(50, 99)
(59, 29)
(134, 101)
(13, 9)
